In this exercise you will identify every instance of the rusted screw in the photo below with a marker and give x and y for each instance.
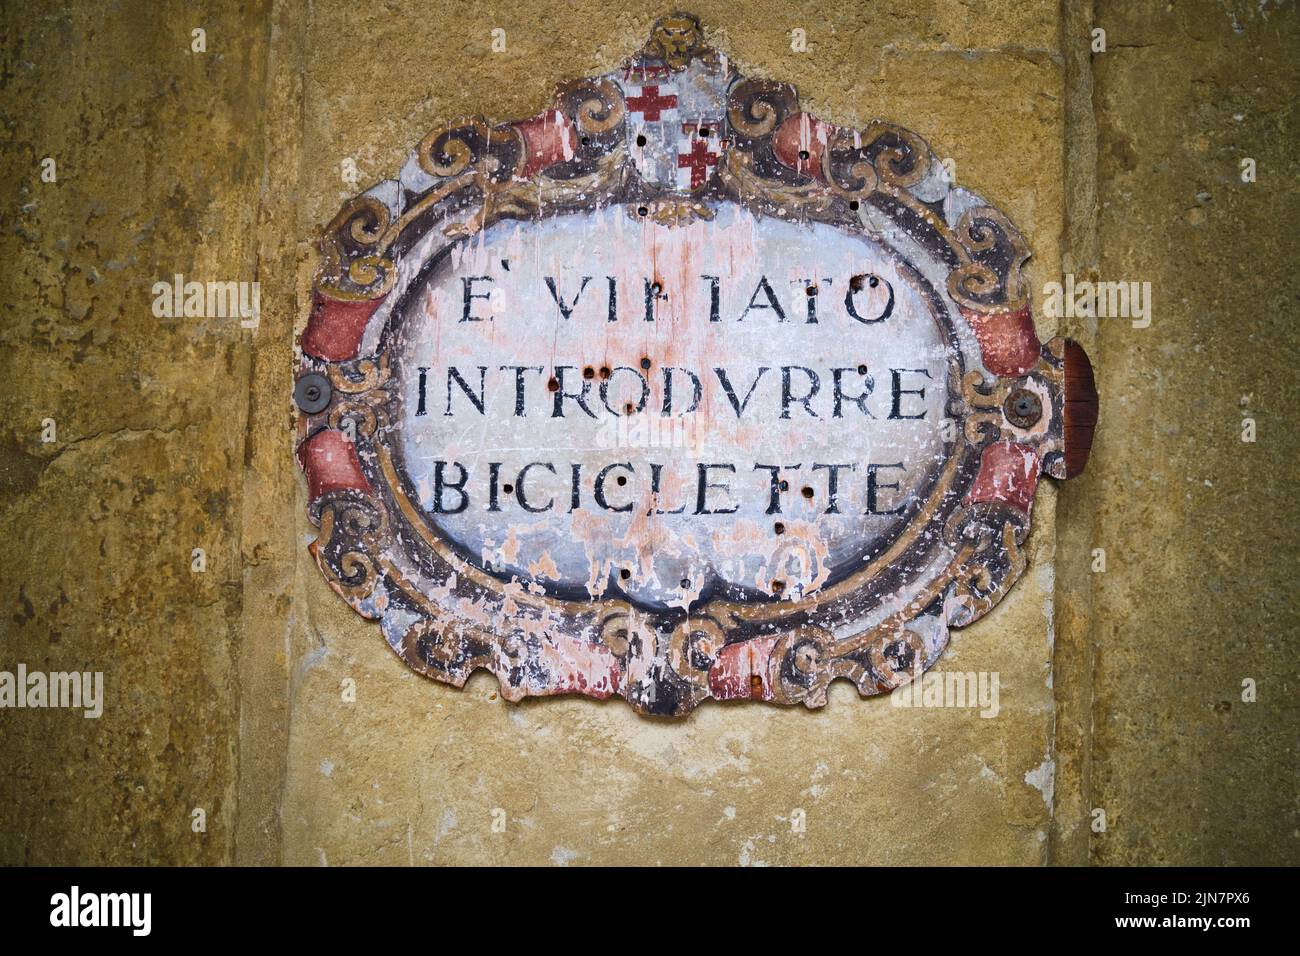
(312, 393)
(1023, 408)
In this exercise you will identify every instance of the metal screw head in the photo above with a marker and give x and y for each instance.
(312, 393)
(1023, 408)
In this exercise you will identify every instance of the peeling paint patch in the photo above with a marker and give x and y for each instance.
(561, 856)
(1043, 779)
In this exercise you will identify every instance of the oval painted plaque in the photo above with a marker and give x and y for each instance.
(651, 421)
(677, 392)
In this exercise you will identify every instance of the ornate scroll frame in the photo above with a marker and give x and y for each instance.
(1020, 407)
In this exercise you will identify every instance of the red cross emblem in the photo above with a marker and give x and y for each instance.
(649, 103)
(699, 158)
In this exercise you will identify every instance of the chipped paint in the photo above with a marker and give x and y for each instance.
(1043, 779)
(842, 340)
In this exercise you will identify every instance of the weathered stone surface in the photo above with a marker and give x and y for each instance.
(1198, 526)
(584, 782)
(224, 690)
(158, 161)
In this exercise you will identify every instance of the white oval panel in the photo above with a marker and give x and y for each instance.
(535, 440)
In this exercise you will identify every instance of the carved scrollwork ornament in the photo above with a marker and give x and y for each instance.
(675, 392)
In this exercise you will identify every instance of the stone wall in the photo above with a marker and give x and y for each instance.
(1120, 690)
